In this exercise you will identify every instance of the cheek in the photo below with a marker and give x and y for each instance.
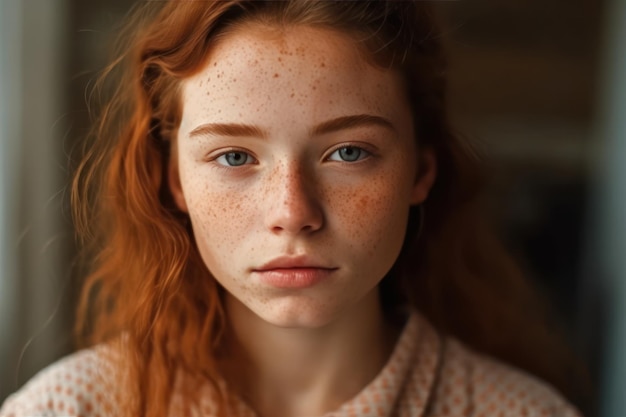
(220, 215)
(373, 213)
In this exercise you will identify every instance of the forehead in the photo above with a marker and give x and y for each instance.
(263, 71)
(262, 43)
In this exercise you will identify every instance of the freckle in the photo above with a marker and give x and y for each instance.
(292, 95)
(276, 75)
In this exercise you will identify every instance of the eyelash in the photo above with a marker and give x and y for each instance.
(249, 158)
(367, 153)
(364, 154)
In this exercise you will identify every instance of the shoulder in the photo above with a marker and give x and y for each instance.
(477, 385)
(81, 384)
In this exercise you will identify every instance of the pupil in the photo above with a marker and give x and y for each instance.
(235, 158)
(349, 154)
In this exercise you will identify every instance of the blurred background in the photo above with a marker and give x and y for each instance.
(539, 85)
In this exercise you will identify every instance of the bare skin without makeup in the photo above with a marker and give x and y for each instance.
(298, 179)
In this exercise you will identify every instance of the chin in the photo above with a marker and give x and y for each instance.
(296, 312)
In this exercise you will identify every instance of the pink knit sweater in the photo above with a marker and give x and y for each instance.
(425, 376)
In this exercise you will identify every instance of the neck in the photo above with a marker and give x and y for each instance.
(295, 371)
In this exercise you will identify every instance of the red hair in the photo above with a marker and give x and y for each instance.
(146, 280)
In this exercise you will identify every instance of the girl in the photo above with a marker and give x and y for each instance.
(282, 223)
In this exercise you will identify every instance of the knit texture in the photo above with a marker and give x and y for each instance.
(425, 376)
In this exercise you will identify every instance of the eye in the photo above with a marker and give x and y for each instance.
(234, 159)
(348, 154)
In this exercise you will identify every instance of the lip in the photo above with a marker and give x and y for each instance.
(293, 272)
(292, 262)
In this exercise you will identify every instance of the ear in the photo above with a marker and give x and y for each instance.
(426, 174)
(173, 180)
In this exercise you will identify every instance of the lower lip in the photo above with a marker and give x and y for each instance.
(293, 278)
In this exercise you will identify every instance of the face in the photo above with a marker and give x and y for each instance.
(296, 162)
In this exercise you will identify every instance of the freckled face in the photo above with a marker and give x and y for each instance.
(294, 149)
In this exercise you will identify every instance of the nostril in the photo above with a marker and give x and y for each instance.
(292, 203)
(301, 216)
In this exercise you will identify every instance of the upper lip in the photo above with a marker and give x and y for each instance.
(289, 262)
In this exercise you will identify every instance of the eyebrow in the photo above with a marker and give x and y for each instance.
(227, 129)
(350, 122)
(330, 126)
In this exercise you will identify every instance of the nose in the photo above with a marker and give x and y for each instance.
(293, 206)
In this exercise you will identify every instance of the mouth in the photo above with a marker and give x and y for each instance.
(293, 273)
(287, 262)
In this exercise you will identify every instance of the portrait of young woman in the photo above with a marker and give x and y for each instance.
(279, 221)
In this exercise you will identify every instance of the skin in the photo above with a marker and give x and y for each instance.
(295, 195)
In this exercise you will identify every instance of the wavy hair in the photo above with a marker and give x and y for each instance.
(146, 282)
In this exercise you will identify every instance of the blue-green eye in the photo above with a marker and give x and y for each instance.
(234, 159)
(348, 154)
